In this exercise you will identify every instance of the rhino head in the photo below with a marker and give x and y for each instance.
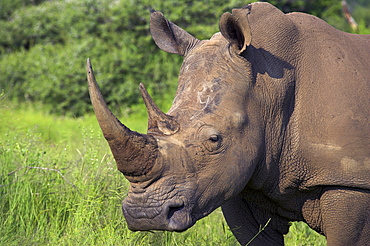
(205, 150)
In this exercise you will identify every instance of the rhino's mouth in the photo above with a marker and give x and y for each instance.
(170, 216)
(178, 219)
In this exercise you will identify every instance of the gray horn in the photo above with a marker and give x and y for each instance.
(158, 122)
(135, 153)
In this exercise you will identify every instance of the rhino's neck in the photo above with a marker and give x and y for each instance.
(274, 55)
(279, 148)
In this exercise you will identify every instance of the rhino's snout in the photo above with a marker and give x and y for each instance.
(171, 216)
(175, 218)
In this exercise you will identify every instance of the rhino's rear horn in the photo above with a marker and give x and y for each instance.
(158, 122)
(135, 153)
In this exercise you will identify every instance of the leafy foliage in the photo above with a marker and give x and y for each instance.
(44, 46)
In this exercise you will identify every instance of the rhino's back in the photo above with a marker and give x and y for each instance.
(332, 114)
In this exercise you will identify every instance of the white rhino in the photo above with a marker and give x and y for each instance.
(271, 120)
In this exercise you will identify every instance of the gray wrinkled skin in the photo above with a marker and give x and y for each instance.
(270, 120)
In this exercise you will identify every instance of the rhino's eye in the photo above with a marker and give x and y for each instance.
(211, 139)
(214, 143)
(214, 138)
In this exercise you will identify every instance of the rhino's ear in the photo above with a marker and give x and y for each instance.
(235, 28)
(169, 37)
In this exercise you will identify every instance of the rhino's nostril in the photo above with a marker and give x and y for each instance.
(173, 209)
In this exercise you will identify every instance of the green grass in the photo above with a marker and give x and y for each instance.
(59, 186)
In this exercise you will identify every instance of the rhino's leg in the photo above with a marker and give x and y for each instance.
(345, 216)
(245, 220)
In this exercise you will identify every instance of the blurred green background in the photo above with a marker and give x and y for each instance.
(44, 46)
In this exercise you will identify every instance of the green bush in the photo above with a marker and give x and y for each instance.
(8, 7)
(44, 46)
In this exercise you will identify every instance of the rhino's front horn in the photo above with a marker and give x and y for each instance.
(135, 153)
